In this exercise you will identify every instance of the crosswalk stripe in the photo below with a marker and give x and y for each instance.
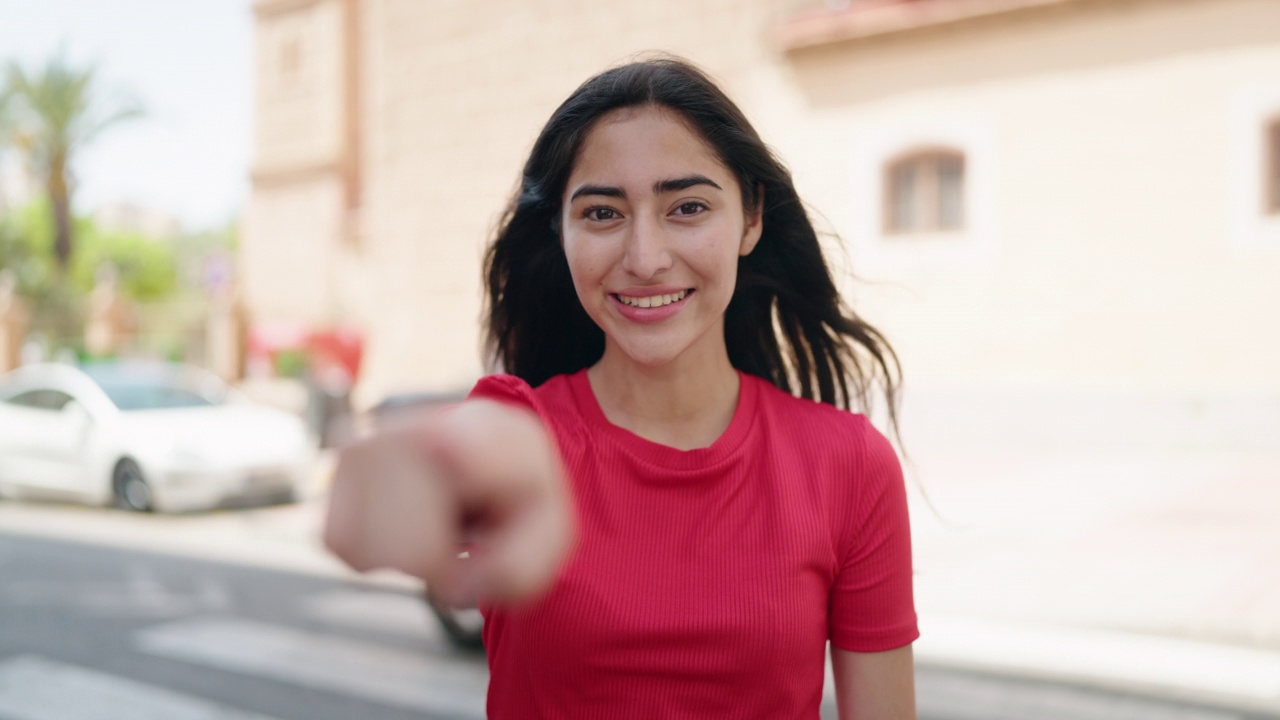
(405, 616)
(35, 688)
(331, 663)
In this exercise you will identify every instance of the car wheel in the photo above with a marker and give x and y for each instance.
(464, 627)
(131, 488)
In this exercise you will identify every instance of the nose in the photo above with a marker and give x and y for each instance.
(648, 251)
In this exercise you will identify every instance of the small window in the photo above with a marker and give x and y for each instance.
(41, 399)
(1272, 164)
(924, 193)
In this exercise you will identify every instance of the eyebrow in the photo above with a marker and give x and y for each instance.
(660, 187)
(604, 190)
(684, 183)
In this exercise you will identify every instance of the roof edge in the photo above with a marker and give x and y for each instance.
(823, 26)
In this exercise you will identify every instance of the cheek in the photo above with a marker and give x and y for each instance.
(717, 261)
(587, 264)
(727, 276)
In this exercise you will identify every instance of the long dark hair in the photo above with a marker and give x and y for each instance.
(786, 321)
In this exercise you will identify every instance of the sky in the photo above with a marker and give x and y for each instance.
(189, 64)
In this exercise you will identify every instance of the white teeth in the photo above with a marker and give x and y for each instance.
(653, 301)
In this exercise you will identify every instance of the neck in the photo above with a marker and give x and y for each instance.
(686, 404)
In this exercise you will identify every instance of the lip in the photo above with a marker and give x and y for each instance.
(649, 290)
(650, 315)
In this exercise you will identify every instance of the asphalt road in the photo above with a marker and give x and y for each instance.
(95, 633)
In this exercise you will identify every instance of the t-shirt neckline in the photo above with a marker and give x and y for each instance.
(723, 448)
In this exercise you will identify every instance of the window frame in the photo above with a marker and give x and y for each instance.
(873, 145)
(928, 185)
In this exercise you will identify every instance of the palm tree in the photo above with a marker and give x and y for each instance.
(54, 112)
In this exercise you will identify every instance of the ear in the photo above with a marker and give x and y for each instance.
(754, 225)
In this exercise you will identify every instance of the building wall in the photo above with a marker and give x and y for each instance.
(294, 227)
(298, 96)
(1105, 250)
(1117, 280)
(287, 257)
(1114, 264)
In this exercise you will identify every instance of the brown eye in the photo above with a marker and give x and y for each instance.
(601, 214)
(690, 208)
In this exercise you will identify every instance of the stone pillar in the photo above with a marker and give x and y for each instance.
(226, 334)
(14, 321)
(110, 322)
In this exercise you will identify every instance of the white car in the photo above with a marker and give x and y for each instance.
(153, 436)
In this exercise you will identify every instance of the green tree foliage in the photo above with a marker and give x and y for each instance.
(57, 307)
(26, 242)
(53, 112)
(14, 253)
(147, 267)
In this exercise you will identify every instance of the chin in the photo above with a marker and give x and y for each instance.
(651, 360)
(661, 346)
(648, 355)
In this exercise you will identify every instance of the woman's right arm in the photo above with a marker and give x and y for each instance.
(485, 473)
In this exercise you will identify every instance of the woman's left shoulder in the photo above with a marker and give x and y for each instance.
(810, 415)
(826, 432)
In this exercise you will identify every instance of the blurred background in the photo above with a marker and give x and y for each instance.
(1065, 215)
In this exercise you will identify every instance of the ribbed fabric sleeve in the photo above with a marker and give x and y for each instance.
(705, 583)
(872, 608)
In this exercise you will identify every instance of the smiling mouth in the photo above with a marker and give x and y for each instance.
(653, 301)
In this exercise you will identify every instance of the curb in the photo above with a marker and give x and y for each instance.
(1223, 676)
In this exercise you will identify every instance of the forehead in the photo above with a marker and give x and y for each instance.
(645, 142)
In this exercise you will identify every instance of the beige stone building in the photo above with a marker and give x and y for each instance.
(1064, 213)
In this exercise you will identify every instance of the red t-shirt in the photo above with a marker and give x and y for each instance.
(706, 583)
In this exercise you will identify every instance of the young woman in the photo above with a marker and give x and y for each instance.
(680, 366)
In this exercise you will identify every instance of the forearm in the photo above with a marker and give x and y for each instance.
(875, 686)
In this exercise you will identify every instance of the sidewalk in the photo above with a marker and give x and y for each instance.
(1138, 571)
(1155, 571)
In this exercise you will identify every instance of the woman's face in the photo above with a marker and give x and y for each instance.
(653, 225)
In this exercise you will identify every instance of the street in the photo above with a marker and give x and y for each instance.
(90, 632)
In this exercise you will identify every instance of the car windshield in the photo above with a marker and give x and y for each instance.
(141, 396)
(157, 388)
